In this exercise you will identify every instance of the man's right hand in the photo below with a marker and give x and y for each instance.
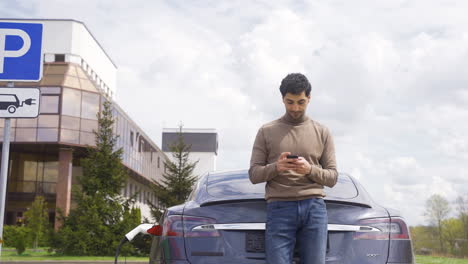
(285, 164)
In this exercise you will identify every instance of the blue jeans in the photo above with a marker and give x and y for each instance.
(304, 222)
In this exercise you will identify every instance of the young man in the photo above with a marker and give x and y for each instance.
(296, 211)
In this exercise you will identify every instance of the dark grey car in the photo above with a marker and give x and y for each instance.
(223, 222)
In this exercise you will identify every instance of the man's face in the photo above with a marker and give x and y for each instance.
(296, 104)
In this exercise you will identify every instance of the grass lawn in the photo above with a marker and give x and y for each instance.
(42, 254)
(439, 260)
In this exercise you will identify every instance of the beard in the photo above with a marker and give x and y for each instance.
(296, 115)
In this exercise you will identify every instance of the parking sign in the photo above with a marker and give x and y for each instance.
(20, 51)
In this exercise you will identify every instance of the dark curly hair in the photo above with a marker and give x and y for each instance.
(295, 83)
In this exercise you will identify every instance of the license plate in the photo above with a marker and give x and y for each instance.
(255, 242)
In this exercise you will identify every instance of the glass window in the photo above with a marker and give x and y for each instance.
(90, 105)
(50, 90)
(73, 82)
(40, 170)
(26, 187)
(49, 104)
(344, 188)
(87, 85)
(49, 187)
(48, 121)
(29, 170)
(233, 184)
(12, 134)
(70, 122)
(71, 70)
(55, 69)
(60, 57)
(71, 102)
(87, 138)
(89, 125)
(47, 134)
(70, 136)
(25, 134)
(77, 172)
(81, 73)
(52, 80)
(12, 122)
(26, 122)
(51, 171)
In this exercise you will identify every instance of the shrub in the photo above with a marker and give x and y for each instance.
(17, 237)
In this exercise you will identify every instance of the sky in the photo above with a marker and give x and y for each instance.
(389, 79)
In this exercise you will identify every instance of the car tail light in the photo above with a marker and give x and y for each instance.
(394, 228)
(178, 226)
(156, 230)
(401, 230)
(173, 226)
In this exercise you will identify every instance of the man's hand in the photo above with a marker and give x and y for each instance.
(285, 164)
(301, 166)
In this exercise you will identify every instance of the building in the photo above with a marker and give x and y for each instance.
(204, 146)
(45, 152)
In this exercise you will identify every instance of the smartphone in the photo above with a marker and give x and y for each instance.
(292, 156)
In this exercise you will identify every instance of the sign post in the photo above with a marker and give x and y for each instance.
(20, 60)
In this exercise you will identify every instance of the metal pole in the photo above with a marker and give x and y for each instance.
(4, 173)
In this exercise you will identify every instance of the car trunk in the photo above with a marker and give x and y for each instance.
(233, 232)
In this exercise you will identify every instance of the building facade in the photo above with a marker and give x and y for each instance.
(45, 152)
(203, 142)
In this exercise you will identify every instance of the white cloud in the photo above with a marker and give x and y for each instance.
(389, 78)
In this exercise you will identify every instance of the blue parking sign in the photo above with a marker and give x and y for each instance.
(20, 51)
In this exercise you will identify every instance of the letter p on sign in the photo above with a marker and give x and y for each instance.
(13, 53)
(20, 51)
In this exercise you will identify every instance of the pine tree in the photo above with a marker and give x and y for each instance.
(102, 216)
(178, 178)
(37, 220)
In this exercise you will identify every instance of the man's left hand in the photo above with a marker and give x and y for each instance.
(302, 166)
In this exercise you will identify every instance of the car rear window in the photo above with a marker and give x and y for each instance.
(233, 184)
(344, 188)
(238, 183)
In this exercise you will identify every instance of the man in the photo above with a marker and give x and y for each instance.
(296, 211)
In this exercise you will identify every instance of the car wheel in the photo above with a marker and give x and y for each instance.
(11, 109)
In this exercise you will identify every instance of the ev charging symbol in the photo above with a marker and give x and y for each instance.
(12, 53)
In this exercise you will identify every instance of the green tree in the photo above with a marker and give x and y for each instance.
(102, 217)
(437, 210)
(178, 178)
(17, 237)
(462, 208)
(452, 233)
(37, 220)
(422, 239)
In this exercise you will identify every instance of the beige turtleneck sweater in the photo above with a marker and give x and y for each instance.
(303, 137)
